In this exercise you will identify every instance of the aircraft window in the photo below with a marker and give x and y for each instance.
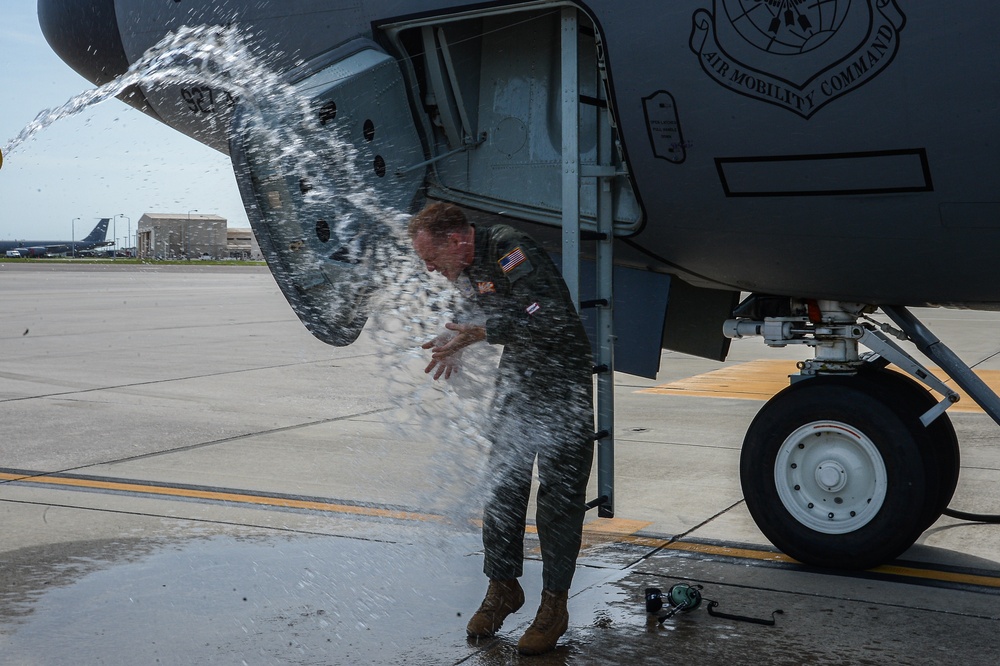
(369, 130)
(327, 112)
(379, 166)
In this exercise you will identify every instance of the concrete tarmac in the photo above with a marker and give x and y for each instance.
(189, 477)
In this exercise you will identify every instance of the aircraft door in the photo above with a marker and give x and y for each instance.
(489, 84)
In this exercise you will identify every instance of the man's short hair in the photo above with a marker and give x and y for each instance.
(438, 219)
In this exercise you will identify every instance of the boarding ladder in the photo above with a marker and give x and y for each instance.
(603, 237)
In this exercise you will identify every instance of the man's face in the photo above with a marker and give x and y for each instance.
(448, 256)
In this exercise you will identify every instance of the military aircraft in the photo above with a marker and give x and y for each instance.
(827, 159)
(41, 248)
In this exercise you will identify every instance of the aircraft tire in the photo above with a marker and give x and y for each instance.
(832, 468)
(945, 458)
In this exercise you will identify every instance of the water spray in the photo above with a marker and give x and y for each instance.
(302, 152)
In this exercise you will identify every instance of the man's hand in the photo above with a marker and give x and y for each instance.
(446, 349)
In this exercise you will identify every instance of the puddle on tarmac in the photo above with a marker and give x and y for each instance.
(334, 600)
(303, 600)
(26, 575)
(287, 600)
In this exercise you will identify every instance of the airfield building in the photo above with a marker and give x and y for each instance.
(241, 244)
(176, 236)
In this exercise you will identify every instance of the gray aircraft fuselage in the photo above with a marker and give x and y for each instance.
(842, 150)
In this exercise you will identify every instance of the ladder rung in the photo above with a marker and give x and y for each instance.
(601, 369)
(603, 499)
(600, 434)
(587, 235)
(596, 303)
(593, 101)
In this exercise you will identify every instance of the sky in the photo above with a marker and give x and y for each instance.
(110, 161)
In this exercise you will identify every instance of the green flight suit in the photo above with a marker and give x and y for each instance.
(543, 405)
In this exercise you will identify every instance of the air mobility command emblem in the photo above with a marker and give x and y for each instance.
(797, 54)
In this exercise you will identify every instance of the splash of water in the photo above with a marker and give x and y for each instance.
(409, 306)
(188, 55)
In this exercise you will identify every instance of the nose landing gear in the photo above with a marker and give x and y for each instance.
(847, 466)
(838, 471)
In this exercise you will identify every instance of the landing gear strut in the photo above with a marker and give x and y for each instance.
(849, 465)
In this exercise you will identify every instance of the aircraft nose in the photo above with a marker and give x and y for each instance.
(84, 33)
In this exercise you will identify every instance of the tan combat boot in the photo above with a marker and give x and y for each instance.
(550, 623)
(502, 598)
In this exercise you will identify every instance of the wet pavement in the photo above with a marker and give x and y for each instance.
(189, 478)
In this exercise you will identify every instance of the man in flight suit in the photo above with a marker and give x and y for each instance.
(543, 407)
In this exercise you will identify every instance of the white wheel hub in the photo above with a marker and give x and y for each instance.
(830, 477)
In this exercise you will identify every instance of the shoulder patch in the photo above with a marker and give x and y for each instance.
(512, 260)
(515, 264)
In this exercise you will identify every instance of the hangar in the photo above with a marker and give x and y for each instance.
(193, 235)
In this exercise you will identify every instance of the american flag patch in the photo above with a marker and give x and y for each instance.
(512, 260)
(533, 308)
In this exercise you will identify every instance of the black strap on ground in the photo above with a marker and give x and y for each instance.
(741, 618)
(972, 517)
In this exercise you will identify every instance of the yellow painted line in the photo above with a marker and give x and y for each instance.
(610, 530)
(242, 498)
(708, 549)
(767, 556)
(762, 379)
(602, 530)
(729, 551)
(607, 527)
(756, 380)
(616, 527)
(945, 576)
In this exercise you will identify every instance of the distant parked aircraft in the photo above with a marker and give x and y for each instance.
(40, 248)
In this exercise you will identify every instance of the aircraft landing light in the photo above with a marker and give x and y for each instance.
(762, 379)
